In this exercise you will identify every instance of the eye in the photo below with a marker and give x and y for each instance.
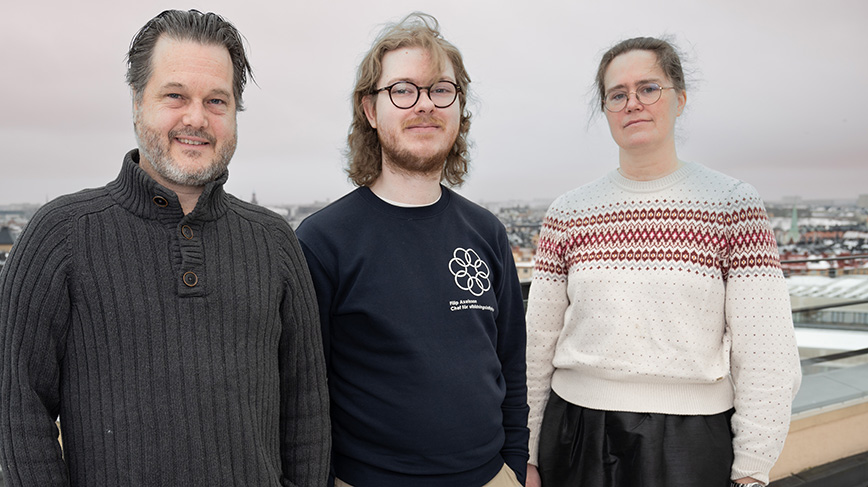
(617, 96)
(649, 89)
(443, 88)
(173, 100)
(403, 89)
(217, 101)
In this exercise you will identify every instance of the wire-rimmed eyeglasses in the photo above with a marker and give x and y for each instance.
(405, 94)
(646, 94)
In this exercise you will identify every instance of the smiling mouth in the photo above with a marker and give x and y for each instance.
(190, 141)
(193, 140)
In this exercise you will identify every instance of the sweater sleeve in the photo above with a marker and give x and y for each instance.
(764, 358)
(324, 294)
(305, 424)
(511, 343)
(547, 304)
(34, 315)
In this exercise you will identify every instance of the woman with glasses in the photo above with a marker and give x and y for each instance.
(660, 340)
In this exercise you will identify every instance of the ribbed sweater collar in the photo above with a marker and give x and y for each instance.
(654, 185)
(136, 191)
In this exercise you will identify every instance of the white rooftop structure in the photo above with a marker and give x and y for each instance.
(850, 287)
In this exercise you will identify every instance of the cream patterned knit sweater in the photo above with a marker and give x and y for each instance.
(665, 296)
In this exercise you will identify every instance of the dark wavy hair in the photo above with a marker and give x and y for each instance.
(668, 58)
(363, 153)
(191, 25)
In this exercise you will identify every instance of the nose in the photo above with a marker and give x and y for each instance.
(195, 116)
(424, 104)
(633, 102)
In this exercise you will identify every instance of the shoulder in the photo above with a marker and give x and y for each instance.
(743, 194)
(717, 183)
(464, 205)
(67, 209)
(585, 197)
(279, 244)
(255, 213)
(736, 200)
(273, 223)
(736, 193)
(474, 213)
(49, 231)
(342, 213)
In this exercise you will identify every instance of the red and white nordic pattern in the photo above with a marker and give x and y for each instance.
(710, 239)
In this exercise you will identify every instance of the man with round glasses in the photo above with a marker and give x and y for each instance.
(421, 309)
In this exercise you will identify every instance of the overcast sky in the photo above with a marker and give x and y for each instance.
(779, 95)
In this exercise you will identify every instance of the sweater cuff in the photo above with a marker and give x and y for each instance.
(533, 447)
(745, 465)
(518, 464)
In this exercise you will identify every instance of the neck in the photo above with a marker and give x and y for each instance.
(407, 187)
(648, 165)
(188, 196)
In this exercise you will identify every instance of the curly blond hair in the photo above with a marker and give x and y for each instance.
(364, 154)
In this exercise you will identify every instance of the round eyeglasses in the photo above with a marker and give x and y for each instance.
(646, 94)
(405, 94)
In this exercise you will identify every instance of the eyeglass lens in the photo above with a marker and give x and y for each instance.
(647, 94)
(406, 94)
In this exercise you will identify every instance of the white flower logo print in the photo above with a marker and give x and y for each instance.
(470, 271)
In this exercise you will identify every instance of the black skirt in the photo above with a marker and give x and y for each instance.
(581, 447)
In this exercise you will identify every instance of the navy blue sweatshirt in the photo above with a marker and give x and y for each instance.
(424, 336)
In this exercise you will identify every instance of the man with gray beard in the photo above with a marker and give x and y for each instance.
(172, 327)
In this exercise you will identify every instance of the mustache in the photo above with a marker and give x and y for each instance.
(429, 120)
(193, 133)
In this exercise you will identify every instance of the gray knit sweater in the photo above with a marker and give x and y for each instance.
(178, 350)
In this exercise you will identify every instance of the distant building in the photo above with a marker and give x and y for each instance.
(819, 267)
(791, 200)
(525, 270)
(284, 212)
(6, 240)
(793, 235)
(17, 212)
(11, 215)
(523, 257)
(862, 202)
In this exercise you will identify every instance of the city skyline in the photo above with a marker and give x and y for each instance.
(761, 105)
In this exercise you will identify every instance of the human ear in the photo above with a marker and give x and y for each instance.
(370, 110)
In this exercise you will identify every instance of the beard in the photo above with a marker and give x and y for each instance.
(405, 160)
(154, 147)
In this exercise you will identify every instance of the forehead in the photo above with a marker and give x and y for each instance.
(191, 63)
(631, 67)
(413, 64)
